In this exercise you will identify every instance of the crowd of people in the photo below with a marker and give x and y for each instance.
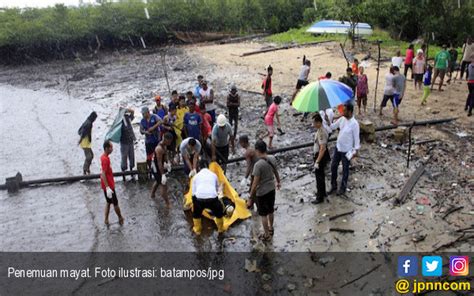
(189, 130)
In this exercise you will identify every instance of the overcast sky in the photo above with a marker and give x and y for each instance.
(39, 3)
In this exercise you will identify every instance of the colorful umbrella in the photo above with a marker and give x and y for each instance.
(322, 95)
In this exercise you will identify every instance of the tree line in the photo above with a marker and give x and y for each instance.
(37, 34)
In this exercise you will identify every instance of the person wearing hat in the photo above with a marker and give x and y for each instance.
(205, 189)
(221, 136)
(127, 139)
(150, 127)
(419, 68)
(159, 108)
(233, 104)
(441, 66)
(207, 97)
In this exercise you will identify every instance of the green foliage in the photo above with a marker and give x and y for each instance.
(60, 30)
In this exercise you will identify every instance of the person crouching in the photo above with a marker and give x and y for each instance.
(205, 186)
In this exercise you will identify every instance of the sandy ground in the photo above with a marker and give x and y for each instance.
(376, 177)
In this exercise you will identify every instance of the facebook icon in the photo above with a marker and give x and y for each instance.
(407, 265)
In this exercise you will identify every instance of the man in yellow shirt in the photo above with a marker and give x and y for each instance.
(179, 123)
(85, 141)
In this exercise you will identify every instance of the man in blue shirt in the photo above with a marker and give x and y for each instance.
(197, 89)
(150, 127)
(192, 122)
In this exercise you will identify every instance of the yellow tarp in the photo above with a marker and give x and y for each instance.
(240, 212)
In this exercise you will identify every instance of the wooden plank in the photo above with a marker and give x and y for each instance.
(341, 215)
(410, 184)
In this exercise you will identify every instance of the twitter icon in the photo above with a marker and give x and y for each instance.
(432, 266)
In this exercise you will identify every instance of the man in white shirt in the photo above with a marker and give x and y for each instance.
(397, 60)
(303, 77)
(348, 142)
(205, 186)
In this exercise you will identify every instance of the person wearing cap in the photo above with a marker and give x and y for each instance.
(441, 65)
(221, 136)
(207, 97)
(190, 149)
(233, 104)
(419, 64)
(127, 138)
(159, 108)
(205, 187)
(192, 122)
(150, 127)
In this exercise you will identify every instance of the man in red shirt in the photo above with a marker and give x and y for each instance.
(108, 184)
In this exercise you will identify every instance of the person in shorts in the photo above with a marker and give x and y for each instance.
(388, 90)
(272, 112)
(441, 66)
(263, 187)
(419, 66)
(150, 127)
(399, 85)
(160, 167)
(108, 184)
(303, 77)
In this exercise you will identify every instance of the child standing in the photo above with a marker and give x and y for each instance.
(426, 84)
(362, 90)
(272, 111)
(206, 127)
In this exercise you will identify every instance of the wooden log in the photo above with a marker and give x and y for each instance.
(245, 54)
(455, 209)
(341, 230)
(341, 215)
(410, 184)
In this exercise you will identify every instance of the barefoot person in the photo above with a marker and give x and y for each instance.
(85, 142)
(108, 184)
(263, 187)
(399, 85)
(362, 90)
(272, 112)
(303, 77)
(348, 142)
(419, 64)
(127, 138)
(233, 104)
(267, 88)
(250, 157)
(150, 127)
(321, 158)
(441, 66)
(388, 90)
(160, 167)
(190, 149)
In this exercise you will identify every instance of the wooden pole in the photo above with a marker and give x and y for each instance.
(377, 79)
(163, 63)
(344, 53)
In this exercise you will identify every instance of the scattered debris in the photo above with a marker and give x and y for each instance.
(341, 215)
(251, 265)
(361, 276)
(449, 212)
(410, 184)
(423, 201)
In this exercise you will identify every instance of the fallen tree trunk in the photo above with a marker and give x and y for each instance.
(245, 54)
